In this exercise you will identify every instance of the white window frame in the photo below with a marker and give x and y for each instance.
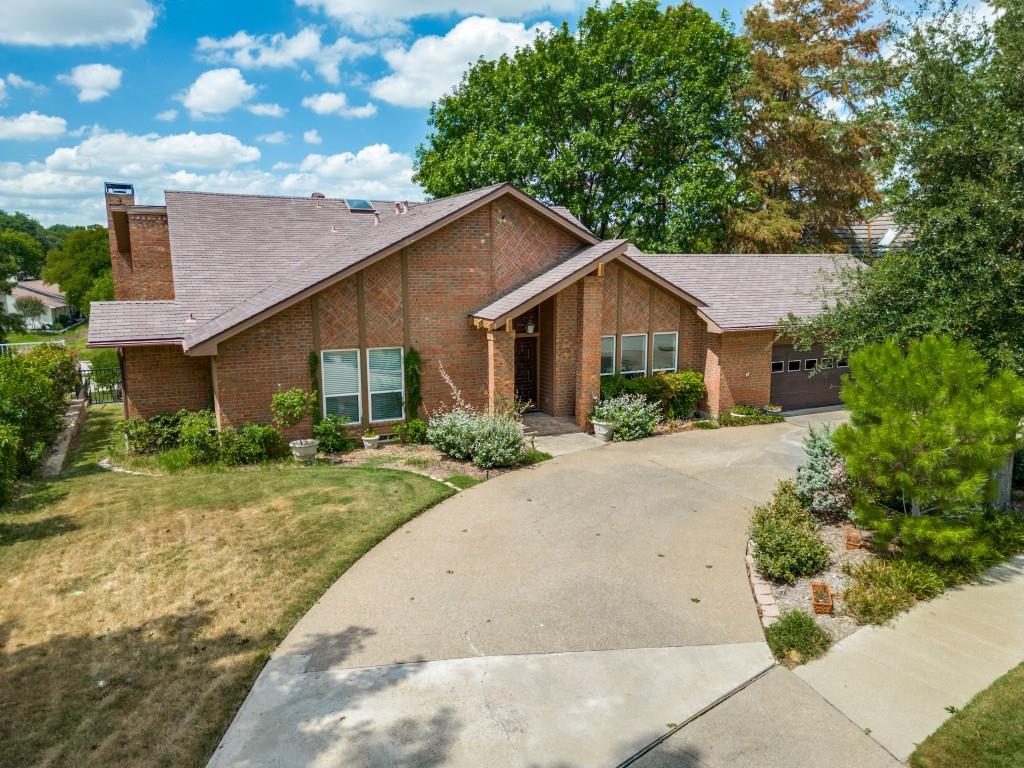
(781, 364)
(359, 383)
(791, 369)
(842, 363)
(370, 393)
(615, 347)
(642, 371)
(675, 352)
(813, 366)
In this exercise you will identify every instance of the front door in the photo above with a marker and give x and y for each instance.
(526, 370)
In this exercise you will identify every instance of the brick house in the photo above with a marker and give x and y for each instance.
(224, 299)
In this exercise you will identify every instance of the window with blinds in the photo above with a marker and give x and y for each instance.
(386, 381)
(664, 352)
(340, 372)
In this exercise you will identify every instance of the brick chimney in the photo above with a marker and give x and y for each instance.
(140, 247)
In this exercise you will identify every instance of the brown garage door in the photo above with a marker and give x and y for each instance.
(794, 387)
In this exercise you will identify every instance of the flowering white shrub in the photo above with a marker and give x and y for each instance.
(634, 416)
(487, 440)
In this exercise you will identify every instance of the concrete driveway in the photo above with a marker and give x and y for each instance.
(569, 614)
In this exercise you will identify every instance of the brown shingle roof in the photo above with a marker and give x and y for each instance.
(113, 323)
(47, 293)
(875, 236)
(751, 291)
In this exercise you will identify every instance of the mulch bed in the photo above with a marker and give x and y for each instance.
(422, 459)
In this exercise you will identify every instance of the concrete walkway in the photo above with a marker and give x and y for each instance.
(896, 681)
(563, 615)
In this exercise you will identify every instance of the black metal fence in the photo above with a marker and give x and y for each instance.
(101, 385)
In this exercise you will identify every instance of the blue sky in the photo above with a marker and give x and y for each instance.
(261, 97)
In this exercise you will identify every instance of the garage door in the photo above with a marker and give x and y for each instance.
(794, 386)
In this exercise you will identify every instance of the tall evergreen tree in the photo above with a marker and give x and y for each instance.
(625, 120)
(811, 139)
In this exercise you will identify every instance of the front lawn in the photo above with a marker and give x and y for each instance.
(74, 339)
(138, 610)
(987, 733)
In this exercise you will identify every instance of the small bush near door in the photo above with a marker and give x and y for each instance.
(634, 416)
(678, 393)
(331, 432)
(785, 535)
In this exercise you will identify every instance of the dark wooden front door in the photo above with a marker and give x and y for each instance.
(526, 370)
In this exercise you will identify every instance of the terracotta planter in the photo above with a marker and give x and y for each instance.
(853, 538)
(370, 442)
(821, 597)
(603, 430)
(304, 450)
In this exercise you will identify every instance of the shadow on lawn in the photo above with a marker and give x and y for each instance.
(12, 533)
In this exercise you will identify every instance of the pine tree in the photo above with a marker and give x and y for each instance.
(810, 143)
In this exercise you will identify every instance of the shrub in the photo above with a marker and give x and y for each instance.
(881, 588)
(499, 442)
(252, 444)
(677, 393)
(634, 416)
(821, 481)
(330, 431)
(31, 405)
(197, 436)
(797, 631)
(453, 432)
(785, 535)
(9, 449)
(413, 372)
(140, 436)
(413, 431)
(290, 406)
(56, 363)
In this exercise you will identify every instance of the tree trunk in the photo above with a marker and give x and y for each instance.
(1003, 478)
(915, 508)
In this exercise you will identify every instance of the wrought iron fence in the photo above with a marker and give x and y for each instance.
(101, 385)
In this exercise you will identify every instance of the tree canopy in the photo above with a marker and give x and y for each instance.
(29, 306)
(959, 118)
(23, 252)
(83, 259)
(627, 121)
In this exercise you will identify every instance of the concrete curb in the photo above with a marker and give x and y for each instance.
(72, 423)
(767, 610)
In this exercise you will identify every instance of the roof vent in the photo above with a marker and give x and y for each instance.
(318, 196)
(191, 318)
(398, 208)
(376, 218)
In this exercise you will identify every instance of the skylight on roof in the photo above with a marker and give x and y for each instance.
(888, 238)
(359, 206)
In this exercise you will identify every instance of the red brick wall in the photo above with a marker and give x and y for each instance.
(338, 311)
(610, 300)
(524, 244)
(382, 289)
(163, 378)
(146, 273)
(566, 345)
(501, 391)
(546, 327)
(738, 369)
(588, 366)
(252, 366)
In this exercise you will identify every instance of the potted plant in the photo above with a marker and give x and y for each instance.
(371, 439)
(604, 421)
(289, 407)
(773, 408)
(743, 411)
(821, 597)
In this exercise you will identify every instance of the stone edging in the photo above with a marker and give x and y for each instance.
(767, 610)
(71, 424)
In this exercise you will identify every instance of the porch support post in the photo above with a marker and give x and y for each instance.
(501, 376)
(588, 364)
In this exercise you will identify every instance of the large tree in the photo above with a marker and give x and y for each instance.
(626, 121)
(960, 185)
(23, 251)
(812, 136)
(84, 258)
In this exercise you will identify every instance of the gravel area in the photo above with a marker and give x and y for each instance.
(797, 596)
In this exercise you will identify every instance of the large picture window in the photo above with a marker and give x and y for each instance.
(386, 384)
(340, 372)
(664, 352)
(634, 354)
(607, 355)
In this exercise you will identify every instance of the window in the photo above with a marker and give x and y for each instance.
(793, 365)
(826, 362)
(634, 354)
(340, 372)
(386, 383)
(778, 366)
(607, 355)
(842, 362)
(665, 351)
(810, 365)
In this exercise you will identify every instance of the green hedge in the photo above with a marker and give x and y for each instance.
(785, 535)
(677, 393)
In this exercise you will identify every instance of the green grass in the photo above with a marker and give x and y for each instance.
(987, 733)
(463, 481)
(73, 339)
(797, 631)
(533, 456)
(882, 588)
(137, 611)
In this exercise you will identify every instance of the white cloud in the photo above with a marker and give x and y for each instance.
(217, 91)
(93, 81)
(337, 104)
(268, 110)
(374, 171)
(3, 90)
(32, 126)
(17, 81)
(391, 17)
(277, 137)
(433, 65)
(75, 22)
(167, 115)
(312, 136)
(127, 154)
(279, 51)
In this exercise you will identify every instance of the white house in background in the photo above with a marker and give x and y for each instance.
(54, 305)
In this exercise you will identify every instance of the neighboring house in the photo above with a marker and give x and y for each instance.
(54, 306)
(876, 236)
(225, 299)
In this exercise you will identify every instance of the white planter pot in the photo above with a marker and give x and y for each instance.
(304, 450)
(371, 442)
(603, 430)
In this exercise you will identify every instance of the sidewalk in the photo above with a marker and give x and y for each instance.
(897, 681)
